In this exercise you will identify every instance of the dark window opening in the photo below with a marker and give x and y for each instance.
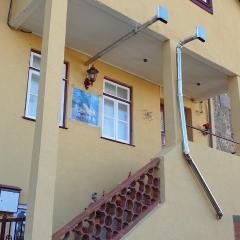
(30, 112)
(207, 5)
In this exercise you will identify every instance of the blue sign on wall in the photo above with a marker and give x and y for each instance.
(85, 107)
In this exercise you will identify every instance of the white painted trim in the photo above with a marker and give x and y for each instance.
(117, 86)
(31, 72)
(116, 120)
(31, 59)
(37, 72)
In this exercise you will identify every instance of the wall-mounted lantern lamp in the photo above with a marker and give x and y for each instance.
(91, 77)
(9, 199)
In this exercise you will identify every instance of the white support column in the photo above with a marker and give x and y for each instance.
(45, 143)
(171, 111)
(234, 94)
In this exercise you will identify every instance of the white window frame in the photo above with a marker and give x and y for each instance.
(116, 100)
(33, 70)
(117, 85)
(31, 59)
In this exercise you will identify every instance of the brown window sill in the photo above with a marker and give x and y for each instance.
(111, 140)
(63, 127)
(34, 120)
(29, 119)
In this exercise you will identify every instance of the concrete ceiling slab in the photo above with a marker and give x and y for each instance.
(91, 27)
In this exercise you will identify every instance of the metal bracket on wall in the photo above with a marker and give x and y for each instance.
(162, 15)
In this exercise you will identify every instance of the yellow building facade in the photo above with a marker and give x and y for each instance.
(59, 168)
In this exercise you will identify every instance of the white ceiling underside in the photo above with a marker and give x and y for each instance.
(91, 27)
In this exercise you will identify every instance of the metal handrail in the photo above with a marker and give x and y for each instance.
(8, 220)
(212, 134)
(195, 169)
(6, 228)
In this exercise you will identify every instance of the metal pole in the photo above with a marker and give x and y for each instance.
(200, 34)
(162, 15)
(210, 122)
(180, 100)
(219, 213)
(213, 134)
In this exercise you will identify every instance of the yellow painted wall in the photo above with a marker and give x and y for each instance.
(86, 162)
(222, 28)
(186, 212)
(200, 116)
(83, 156)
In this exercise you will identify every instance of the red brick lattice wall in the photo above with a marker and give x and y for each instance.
(116, 213)
(236, 222)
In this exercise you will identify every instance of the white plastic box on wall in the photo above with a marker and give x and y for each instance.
(9, 199)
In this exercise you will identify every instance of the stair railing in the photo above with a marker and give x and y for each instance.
(12, 228)
(117, 212)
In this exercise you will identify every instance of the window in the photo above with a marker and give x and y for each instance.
(188, 116)
(205, 4)
(162, 125)
(32, 89)
(116, 122)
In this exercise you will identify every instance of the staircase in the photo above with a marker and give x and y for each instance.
(116, 213)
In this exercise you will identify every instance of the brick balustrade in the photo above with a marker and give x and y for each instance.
(116, 213)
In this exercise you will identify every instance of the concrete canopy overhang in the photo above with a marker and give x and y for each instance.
(91, 26)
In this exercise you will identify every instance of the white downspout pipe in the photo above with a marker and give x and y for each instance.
(186, 149)
(200, 34)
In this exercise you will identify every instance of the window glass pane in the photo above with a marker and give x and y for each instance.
(64, 71)
(116, 112)
(162, 123)
(110, 89)
(36, 61)
(62, 104)
(122, 131)
(108, 108)
(122, 93)
(123, 112)
(32, 106)
(34, 83)
(108, 127)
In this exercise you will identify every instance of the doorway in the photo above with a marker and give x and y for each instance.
(188, 114)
